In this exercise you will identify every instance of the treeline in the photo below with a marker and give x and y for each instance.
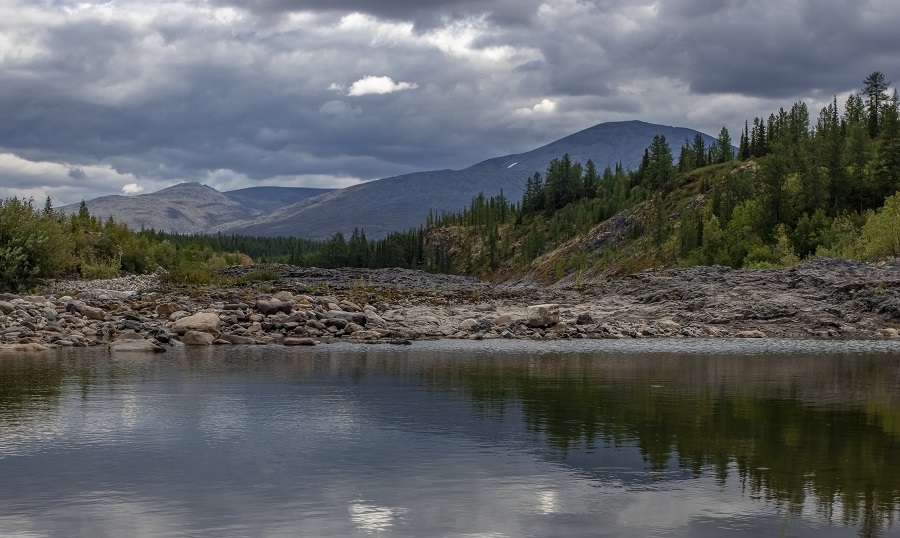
(44, 243)
(794, 189)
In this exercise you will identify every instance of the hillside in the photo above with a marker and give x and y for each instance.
(403, 202)
(190, 208)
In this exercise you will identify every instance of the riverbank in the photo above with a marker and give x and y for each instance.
(824, 298)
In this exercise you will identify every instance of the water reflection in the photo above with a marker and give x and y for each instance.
(452, 440)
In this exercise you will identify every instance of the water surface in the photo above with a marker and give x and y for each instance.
(493, 439)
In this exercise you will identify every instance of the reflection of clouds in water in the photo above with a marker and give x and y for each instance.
(372, 518)
(96, 512)
(676, 509)
(332, 416)
(547, 502)
(18, 432)
(222, 417)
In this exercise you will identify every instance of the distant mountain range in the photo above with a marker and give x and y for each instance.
(193, 208)
(381, 206)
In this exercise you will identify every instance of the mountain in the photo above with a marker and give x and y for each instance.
(268, 199)
(192, 207)
(377, 207)
(402, 202)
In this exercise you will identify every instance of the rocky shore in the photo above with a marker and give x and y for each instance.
(824, 298)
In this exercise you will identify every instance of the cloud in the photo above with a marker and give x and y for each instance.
(370, 84)
(132, 188)
(158, 92)
(546, 106)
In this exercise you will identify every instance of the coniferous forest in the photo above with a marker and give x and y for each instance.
(798, 184)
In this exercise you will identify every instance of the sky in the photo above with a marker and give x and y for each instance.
(124, 97)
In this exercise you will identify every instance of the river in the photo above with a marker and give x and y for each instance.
(447, 438)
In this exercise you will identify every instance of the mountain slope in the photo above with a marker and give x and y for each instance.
(268, 199)
(402, 202)
(191, 207)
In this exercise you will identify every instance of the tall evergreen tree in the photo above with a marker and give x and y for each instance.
(875, 89)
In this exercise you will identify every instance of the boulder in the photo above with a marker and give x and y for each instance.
(28, 347)
(206, 322)
(89, 311)
(299, 342)
(6, 308)
(273, 306)
(355, 317)
(237, 339)
(197, 338)
(349, 306)
(351, 328)
(284, 296)
(374, 320)
(543, 315)
(128, 343)
(167, 309)
(584, 319)
(366, 335)
(469, 325)
(502, 319)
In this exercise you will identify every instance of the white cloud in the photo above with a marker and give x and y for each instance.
(371, 84)
(545, 107)
(132, 188)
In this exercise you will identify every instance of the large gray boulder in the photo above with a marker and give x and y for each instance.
(543, 315)
(273, 306)
(131, 342)
(206, 322)
(197, 338)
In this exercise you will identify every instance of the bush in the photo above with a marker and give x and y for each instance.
(33, 245)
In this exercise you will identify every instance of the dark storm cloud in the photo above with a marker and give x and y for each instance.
(773, 48)
(274, 91)
(424, 14)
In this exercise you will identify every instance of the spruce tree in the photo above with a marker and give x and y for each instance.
(875, 90)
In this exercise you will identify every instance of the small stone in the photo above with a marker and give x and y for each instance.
(502, 319)
(167, 309)
(750, 334)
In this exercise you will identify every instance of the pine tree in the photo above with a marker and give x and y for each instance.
(875, 90)
(723, 152)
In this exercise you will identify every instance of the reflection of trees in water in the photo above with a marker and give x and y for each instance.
(789, 426)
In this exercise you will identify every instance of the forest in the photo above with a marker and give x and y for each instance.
(793, 188)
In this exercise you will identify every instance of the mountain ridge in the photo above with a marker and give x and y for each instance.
(380, 206)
